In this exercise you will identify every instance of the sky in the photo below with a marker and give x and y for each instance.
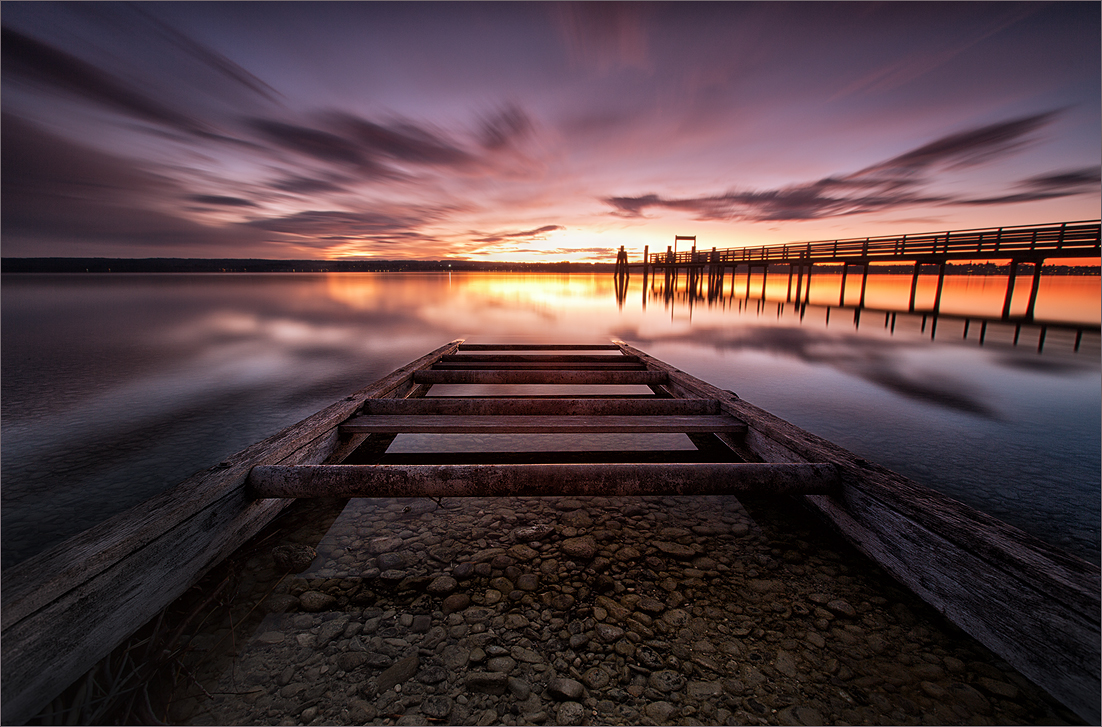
(536, 131)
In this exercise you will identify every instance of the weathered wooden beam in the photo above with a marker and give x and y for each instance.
(542, 407)
(68, 607)
(637, 456)
(539, 358)
(1031, 603)
(509, 424)
(537, 347)
(540, 480)
(539, 377)
(615, 365)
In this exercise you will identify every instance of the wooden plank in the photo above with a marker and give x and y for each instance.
(619, 480)
(538, 358)
(542, 407)
(537, 347)
(643, 456)
(987, 575)
(540, 377)
(65, 609)
(508, 424)
(615, 365)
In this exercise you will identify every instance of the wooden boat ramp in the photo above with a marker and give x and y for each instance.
(1033, 605)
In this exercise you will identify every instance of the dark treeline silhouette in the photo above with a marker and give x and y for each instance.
(234, 265)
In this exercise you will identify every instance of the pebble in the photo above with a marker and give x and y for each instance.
(565, 688)
(293, 557)
(314, 601)
(442, 586)
(571, 713)
(583, 548)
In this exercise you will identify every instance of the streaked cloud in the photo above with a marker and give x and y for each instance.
(338, 129)
(899, 182)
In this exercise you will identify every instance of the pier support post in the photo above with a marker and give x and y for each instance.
(940, 285)
(864, 281)
(1010, 288)
(914, 286)
(1035, 285)
(842, 293)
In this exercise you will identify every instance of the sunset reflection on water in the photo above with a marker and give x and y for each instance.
(115, 387)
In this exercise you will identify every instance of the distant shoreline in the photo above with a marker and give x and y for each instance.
(242, 265)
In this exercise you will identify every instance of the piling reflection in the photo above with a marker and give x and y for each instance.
(973, 304)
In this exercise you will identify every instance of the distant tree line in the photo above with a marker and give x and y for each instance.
(234, 265)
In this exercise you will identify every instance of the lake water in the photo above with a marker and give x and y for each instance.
(116, 387)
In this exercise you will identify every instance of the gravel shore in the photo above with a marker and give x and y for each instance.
(519, 611)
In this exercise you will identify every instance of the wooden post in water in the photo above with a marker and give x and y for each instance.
(1010, 288)
(940, 285)
(799, 280)
(842, 293)
(914, 285)
(646, 263)
(864, 280)
(1035, 285)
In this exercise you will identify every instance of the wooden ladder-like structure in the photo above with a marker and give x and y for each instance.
(718, 466)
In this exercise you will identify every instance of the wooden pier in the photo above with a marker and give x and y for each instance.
(1032, 604)
(1023, 247)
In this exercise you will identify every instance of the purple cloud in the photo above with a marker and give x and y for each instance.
(894, 183)
(40, 63)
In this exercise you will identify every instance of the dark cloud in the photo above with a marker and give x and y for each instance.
(314, 143)
(1072, 179)
(527, 234)
(810, 201)
(369, 148)
(305, 185)
(347, 225)
(217, 199)
(966, 148)
(537, 231)
(891, 184)
(40, 63)
(63, 195)
(1047, 186)
(404, 142)
(505, 128)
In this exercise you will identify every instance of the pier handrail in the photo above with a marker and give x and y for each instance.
(1068, 239)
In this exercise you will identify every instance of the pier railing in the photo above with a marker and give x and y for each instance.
(1069, 239)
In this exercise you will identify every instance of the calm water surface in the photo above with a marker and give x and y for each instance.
(116, 387)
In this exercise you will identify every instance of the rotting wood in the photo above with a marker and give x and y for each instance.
(446, 424)
(537, 480)
(986, 576)
(65, 609)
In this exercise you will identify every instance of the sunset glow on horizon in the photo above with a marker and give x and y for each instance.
(537, 131)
